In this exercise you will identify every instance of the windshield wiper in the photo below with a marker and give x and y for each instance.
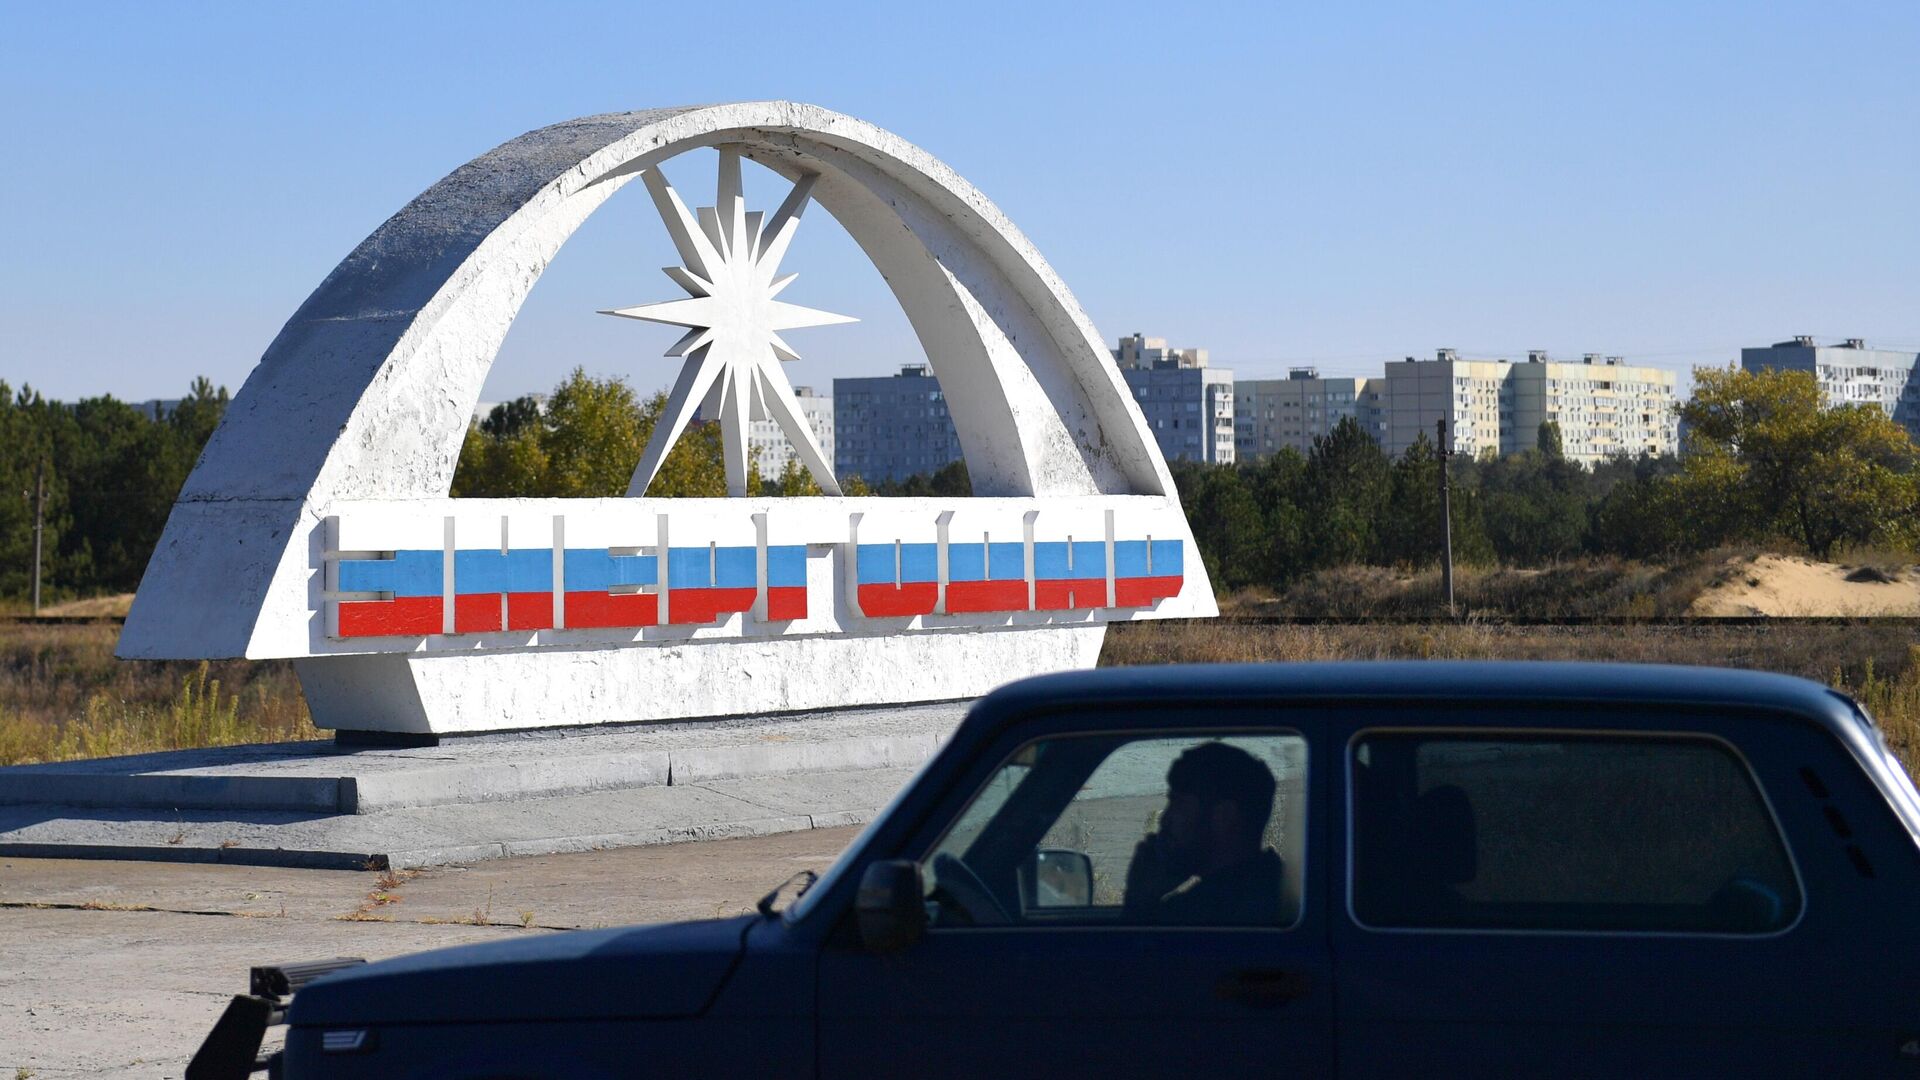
(766, 902)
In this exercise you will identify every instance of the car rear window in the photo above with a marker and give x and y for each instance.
(1563, 833)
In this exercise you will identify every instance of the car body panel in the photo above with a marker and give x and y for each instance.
(1834, 993)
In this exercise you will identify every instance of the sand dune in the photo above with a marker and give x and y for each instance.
(1788, 585)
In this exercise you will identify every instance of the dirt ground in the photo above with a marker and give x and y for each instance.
(118, 969)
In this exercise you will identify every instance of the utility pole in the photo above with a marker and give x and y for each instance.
(39, 526)
(1444, 452)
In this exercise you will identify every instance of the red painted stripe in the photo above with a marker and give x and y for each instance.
(695, 606)
(786, 602)
(1143, 591)
(589, 610)
(1007, 594)
(529, 610)
(403, 616)
(1069, 594)
(885, 601)
(476, 613)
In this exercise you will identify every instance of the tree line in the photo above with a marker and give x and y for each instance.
(111, 474)
(1767, 463)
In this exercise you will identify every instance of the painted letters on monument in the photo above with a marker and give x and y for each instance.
(485, 577)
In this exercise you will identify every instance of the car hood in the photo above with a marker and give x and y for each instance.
(642, 971)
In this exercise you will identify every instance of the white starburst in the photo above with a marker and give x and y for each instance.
(733, 345)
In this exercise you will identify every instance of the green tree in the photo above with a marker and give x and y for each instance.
(1345, 492)
(1547, 440)
(1408, 533)
(1535, 504)
(1765, 449)
(586, 443)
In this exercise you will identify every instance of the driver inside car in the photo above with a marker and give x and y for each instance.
(1208, 865)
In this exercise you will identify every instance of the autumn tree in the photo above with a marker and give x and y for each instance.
(1764, 448)
(584, 443)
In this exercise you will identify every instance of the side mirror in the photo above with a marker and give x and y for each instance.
(1056, 879)
(890, 905)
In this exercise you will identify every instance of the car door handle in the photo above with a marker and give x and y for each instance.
(1263, 988)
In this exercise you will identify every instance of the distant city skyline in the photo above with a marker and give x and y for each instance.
(1322, 188)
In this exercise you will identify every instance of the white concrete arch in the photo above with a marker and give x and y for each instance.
(366, 392)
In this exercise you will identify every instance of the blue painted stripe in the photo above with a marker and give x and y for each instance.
(1130, 559)
(1166, 558)
(408, 573)
(1005, 562)
(715, 568)
(1050, 560)
(918, 563)
(786, 565)
(594, 570)
(523, 570)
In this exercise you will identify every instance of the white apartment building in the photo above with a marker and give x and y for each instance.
(1470, 395)
(1602, 405)
(1850, 374)
(768, 444)
(1270, 415)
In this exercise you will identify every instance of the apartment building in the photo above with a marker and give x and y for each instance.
(1602, 405)
(1270, 415)
(1188, 405)
(768, 442)
(1472, 396)
(890, 427)
(1850, 373)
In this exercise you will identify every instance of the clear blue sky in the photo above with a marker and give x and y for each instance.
(1331, 184)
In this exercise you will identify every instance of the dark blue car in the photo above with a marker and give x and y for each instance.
(1287, 870)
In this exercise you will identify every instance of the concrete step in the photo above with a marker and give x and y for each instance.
(322, 778)
(709, 809)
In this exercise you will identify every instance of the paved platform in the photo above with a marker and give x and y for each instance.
(318, 805)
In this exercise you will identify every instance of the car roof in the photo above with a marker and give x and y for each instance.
(1368, 681)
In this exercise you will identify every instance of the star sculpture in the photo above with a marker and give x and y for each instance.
(732, 345)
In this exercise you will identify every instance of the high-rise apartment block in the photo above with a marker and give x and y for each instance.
(1850, 374)
(1188, 405)
(1602, 406)
(768, 444)
(1270, 415)
(890, 427)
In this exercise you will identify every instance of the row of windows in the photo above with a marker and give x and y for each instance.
(1462, 831)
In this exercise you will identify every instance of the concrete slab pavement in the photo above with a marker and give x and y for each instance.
(117, 970)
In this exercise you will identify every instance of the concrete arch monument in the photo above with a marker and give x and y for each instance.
(317, 525)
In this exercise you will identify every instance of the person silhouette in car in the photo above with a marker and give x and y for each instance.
(1208, 865)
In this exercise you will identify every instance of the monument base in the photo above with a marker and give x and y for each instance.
(478, 797)
(414, 697)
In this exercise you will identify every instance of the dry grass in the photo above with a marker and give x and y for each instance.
(1577, 588)
(64, 696)
(1855, 659)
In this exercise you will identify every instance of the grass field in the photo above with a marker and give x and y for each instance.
(63, 695)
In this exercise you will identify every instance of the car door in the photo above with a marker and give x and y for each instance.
(1066, 981)
(1579, 892)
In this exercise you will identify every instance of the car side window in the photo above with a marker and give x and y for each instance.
(1563, 833)
(1167, 830)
